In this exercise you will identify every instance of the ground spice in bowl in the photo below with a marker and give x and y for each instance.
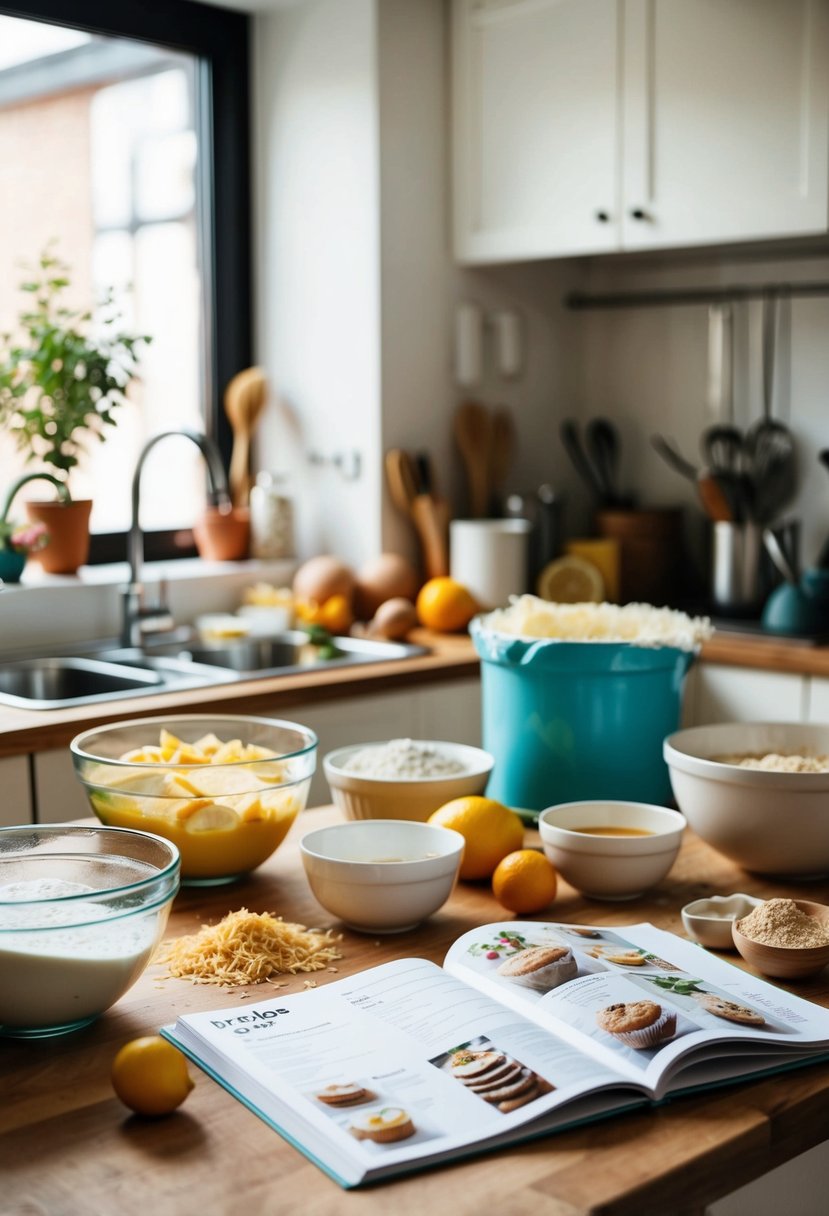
(779, 922)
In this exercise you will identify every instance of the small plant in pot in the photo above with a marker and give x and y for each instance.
(59, 387)
(18, 540)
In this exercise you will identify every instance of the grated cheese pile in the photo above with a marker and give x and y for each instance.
(247, 948)
(640, 624)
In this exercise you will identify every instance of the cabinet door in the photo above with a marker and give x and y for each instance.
(16, 803)
(818, 699)
(59, 793)
(726, 120)
(535, 94)
(739, 694)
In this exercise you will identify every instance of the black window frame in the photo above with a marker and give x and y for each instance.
(219, 38)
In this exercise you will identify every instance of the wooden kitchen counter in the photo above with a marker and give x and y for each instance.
(69, 1148)
(450, 657)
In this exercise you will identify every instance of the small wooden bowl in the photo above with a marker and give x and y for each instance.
(786, 962)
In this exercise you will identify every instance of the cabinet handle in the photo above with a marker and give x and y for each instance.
(603, 217)
(638, 213)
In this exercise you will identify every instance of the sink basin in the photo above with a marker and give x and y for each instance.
(175, 665)
(287, 652)
(54, 683)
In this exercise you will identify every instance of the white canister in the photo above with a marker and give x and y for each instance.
(271, 518)
(490, 557)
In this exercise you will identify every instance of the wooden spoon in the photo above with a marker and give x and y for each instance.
(473, 435)
(245, 398)
(502, 451)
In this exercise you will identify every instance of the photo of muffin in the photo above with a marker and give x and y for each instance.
(384, 1125)
(722, 1008)
(638, 1024)
(349, 1094)
(541, 968)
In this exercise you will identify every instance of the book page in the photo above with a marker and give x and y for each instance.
(641, 1000)
(399, 1063)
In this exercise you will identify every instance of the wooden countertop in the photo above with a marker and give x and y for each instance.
(450, 657)
(68, 1146)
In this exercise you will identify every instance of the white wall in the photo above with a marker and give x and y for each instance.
(316, 261)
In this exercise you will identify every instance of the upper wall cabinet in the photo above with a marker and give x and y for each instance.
(593, 126)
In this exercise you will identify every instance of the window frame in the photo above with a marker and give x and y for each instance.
(219, 38)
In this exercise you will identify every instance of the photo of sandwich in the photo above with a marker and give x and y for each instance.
(348, 1094)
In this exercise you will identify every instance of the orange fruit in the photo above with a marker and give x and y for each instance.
(150, 1076)
(334, 613)
(524, 881)
(445, 605)
(571, 580)
(490, 829)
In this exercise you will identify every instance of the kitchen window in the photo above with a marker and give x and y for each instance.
(124, 135)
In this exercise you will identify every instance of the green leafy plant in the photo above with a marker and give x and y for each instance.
(63, 381)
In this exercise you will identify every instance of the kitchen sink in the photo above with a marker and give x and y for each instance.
(54, 683)
(281, 654)
(173, 665)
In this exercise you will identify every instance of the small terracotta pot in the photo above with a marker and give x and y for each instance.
(68, 526)
(223, 536)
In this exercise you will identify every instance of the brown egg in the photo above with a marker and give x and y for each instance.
(394, 619)
(318, 579)
(384, 578)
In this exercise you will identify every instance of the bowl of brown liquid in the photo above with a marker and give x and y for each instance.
(611, 850)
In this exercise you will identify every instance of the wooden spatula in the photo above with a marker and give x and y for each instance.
(245, 398)
(473, 435)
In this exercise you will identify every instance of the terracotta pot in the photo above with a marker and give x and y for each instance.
(68, 526)
(223, 536)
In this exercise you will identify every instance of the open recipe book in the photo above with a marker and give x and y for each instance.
(528, 1028)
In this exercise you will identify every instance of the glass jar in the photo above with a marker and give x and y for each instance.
(271, 517)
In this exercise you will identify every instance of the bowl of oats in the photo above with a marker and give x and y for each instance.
(404, 778)
(757, 791)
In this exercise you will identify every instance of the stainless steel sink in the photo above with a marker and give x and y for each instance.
(54, 683)
(283, 653)
(110, 673)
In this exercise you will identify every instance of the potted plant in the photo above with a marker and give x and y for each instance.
(17, 540)
(59, 386)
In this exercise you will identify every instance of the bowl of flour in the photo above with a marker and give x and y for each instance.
(404, 778)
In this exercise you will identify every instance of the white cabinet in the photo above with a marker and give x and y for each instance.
(818, 709)
(587, 126)
(743, 694)
(16, 801)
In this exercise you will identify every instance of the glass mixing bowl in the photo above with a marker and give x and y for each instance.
(81, 911)
(225, 790)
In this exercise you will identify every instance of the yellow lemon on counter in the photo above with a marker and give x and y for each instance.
(150, 1076)
(445, 605)
(524, 881)
(334, 614)
(571, 580)
(490, 829)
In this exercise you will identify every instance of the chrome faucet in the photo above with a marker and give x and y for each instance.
(138, 619)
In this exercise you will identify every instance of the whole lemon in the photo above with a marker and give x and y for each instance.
(150, 1076)
(445, 605)
(490, 829)
(525, 881)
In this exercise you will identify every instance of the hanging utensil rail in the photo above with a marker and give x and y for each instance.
(694, 295)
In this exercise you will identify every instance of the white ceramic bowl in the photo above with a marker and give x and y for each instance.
(709, 921)
(611, 867)
(415, 798)
(773, 823)
(382, 875)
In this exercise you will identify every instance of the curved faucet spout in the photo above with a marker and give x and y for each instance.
(135, 615)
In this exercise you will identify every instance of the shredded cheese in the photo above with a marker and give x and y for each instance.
(247, 948)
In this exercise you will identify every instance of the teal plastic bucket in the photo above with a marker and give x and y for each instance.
(568, 721)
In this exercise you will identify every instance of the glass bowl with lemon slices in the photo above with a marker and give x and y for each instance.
(224, 790)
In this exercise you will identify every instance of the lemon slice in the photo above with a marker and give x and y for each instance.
(571, 580)
(209, 817)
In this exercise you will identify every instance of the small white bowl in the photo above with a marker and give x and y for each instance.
(382, 875)
(611, 867)
(709, 921)
(359, 796)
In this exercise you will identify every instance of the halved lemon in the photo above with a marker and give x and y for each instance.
(571, 580)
